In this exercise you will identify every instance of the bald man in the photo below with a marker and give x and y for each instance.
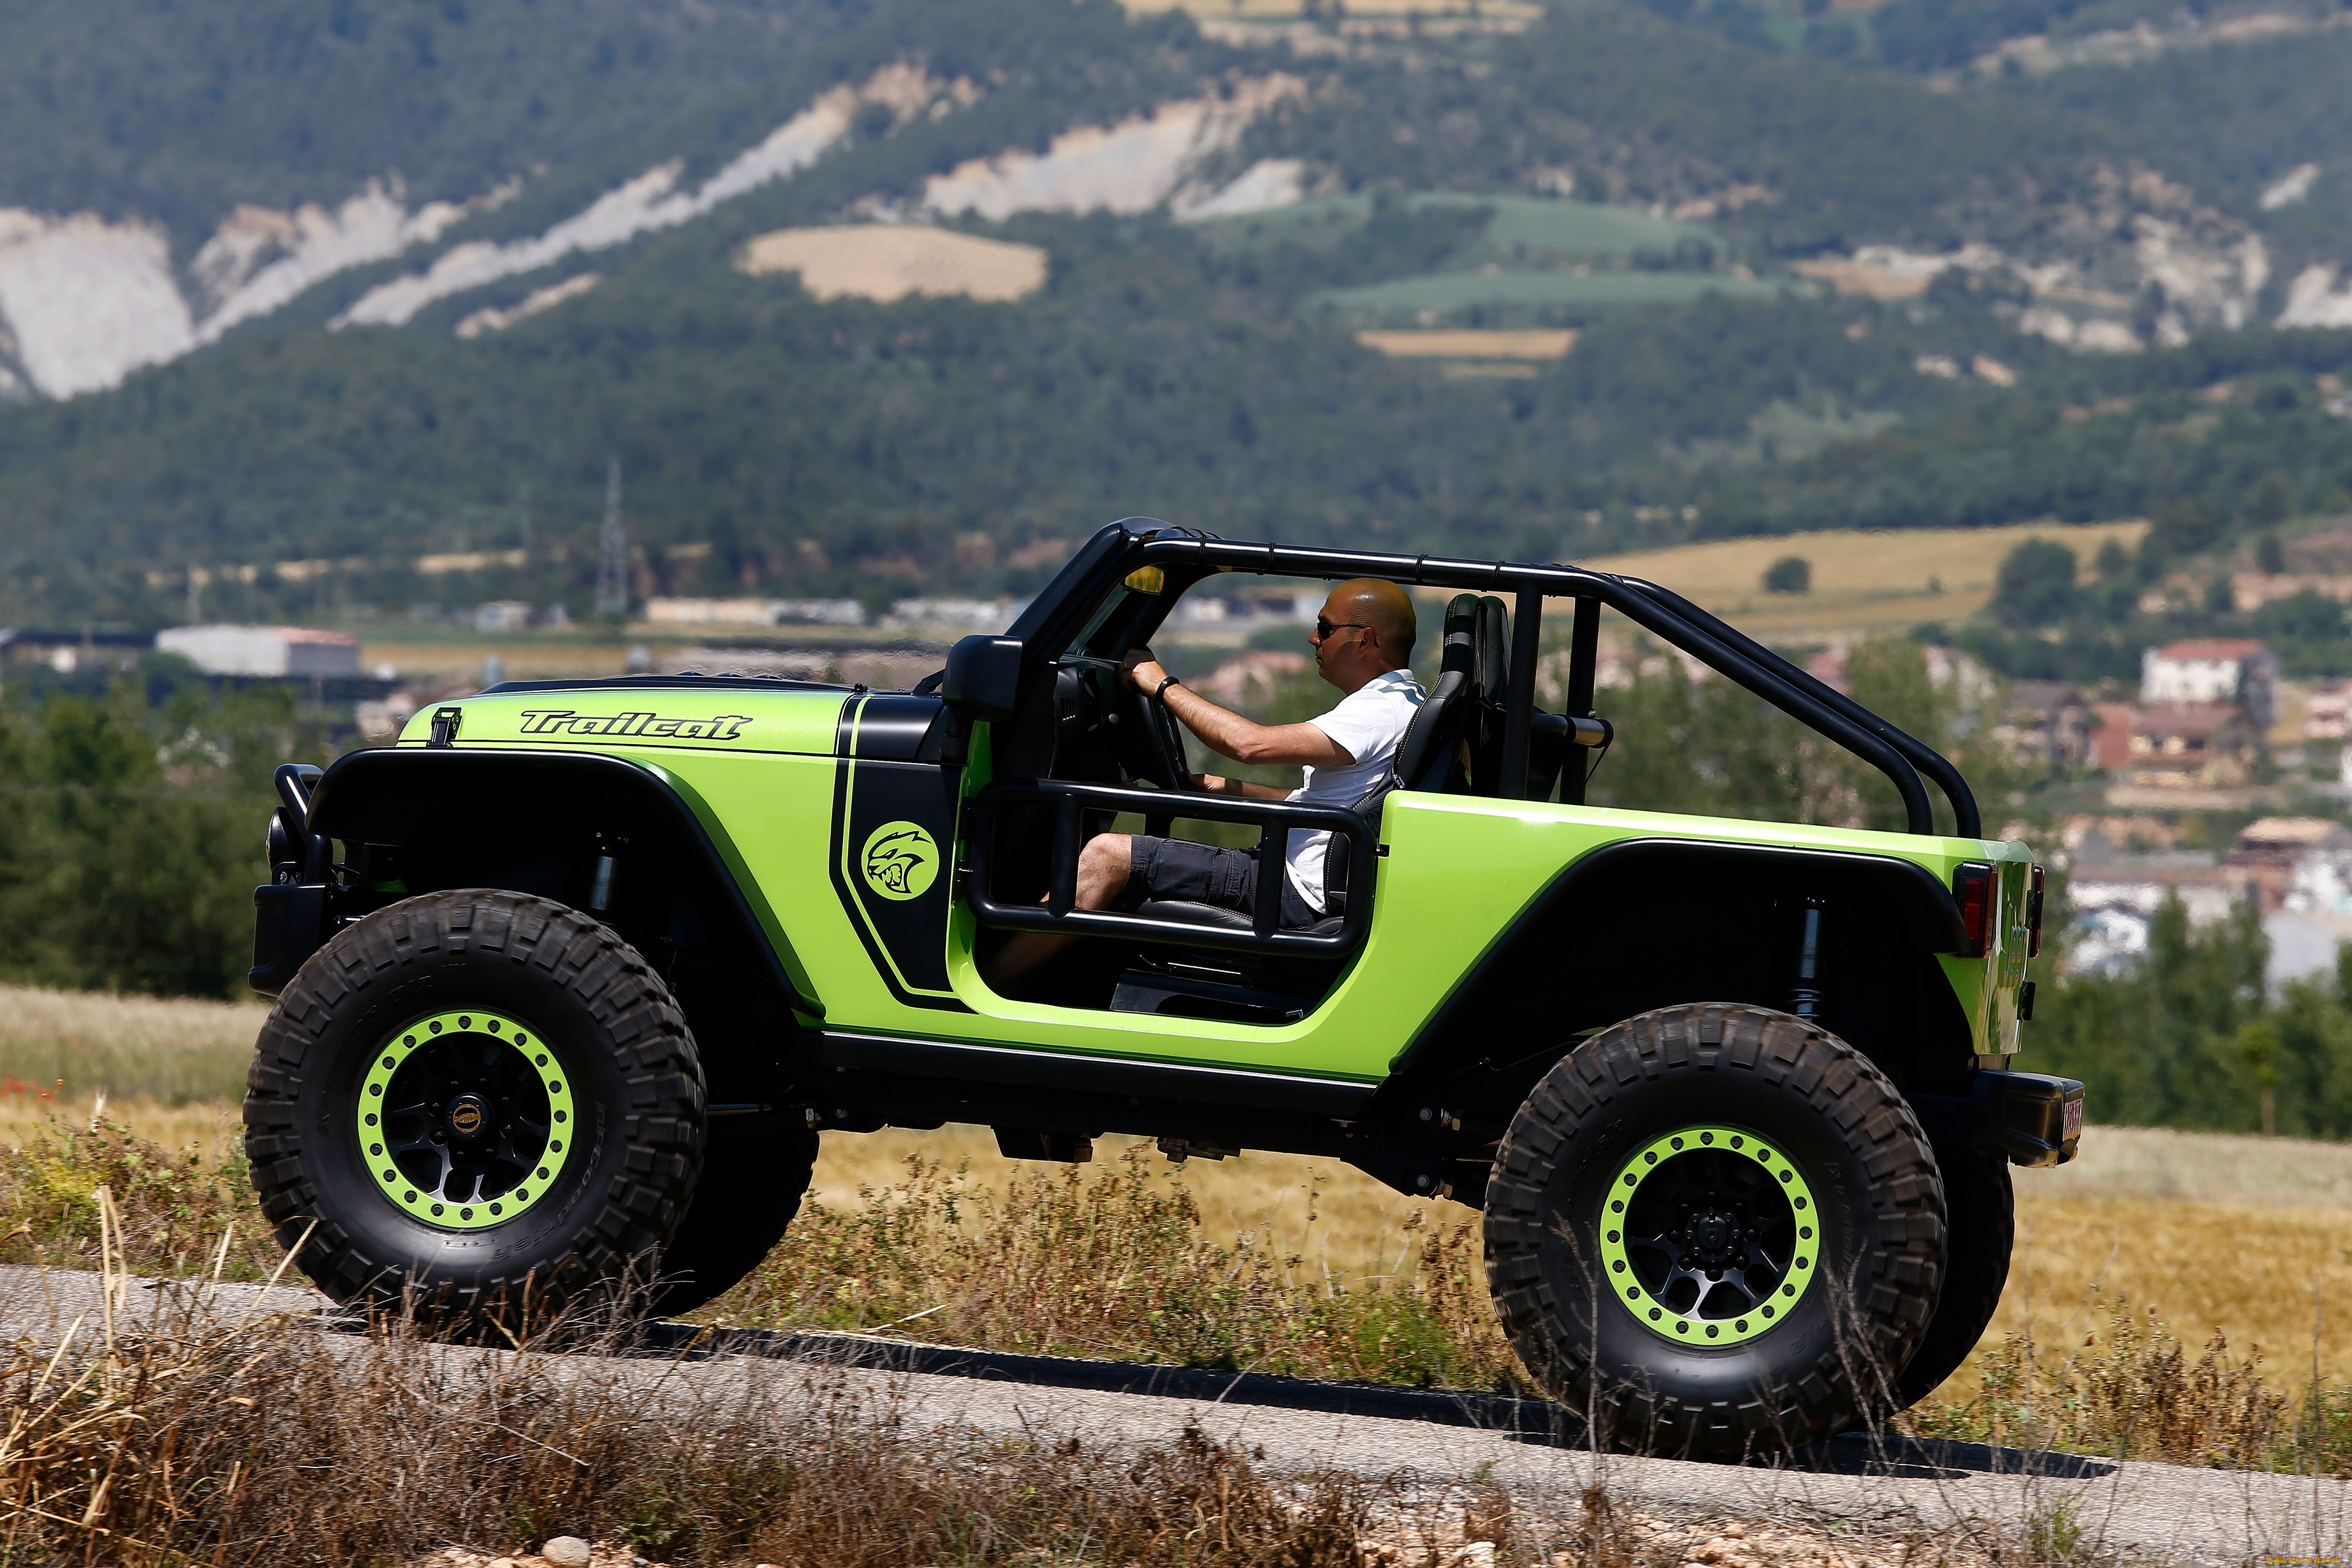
(1364, 646)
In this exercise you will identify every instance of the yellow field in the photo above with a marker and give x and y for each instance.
(1862, 581)
(890, 261)
(2216, 1232)
(1286, 10)
(1468, 344)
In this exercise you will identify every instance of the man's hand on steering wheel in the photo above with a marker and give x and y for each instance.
(1142, 671)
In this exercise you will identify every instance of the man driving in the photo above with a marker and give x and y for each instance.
(1364, 646)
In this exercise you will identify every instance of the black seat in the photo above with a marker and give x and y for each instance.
(1431, 755)
(1185, 912)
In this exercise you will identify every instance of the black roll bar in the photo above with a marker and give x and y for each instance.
(1968, 822)
(1069, 798)
(1753, 666)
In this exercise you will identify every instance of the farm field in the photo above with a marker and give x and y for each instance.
(1863, 581)
(1445, 291)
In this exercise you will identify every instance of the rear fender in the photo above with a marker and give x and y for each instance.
(1651, 922)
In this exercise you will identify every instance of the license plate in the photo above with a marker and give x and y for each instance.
(2073, 1121)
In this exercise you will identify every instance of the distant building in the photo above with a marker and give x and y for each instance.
(502, 616)
(2296, 861)
(2328, 711)
(283, 651)
(2207, 744)
(2213, 670)
(2110, 736)
(2045, 722)
(754, 611)
(2116, 900)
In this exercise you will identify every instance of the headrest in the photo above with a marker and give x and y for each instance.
(1461, 649)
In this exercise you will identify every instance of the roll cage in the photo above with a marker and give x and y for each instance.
(986, 674)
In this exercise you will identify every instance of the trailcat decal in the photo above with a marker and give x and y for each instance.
(632, 726)
(889, 821)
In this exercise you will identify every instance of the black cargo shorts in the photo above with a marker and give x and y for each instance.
(1203, 873)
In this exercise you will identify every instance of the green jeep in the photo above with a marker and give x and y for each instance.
(569, 978)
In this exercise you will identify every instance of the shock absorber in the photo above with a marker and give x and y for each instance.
(1805, 997)
(607, 866)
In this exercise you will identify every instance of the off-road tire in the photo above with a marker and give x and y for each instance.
(1979, 1229)
(1831, 1355)
(635, 1081)
(751, 1186)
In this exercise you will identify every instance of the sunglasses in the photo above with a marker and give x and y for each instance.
(1323, 628)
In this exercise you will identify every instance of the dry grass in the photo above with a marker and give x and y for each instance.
(146, 1048)
(1120, 1260)
(1862, 581)
(1281, 1264)
(1334, 1218)
(205, 1443)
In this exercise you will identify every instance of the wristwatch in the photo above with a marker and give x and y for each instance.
(1160, 691)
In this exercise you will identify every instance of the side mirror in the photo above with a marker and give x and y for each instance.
(984, 677)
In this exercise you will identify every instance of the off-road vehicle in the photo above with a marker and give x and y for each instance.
(572, 974)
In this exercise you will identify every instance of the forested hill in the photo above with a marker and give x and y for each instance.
(345, 282)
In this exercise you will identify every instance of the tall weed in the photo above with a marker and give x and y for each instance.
(1116, 1262)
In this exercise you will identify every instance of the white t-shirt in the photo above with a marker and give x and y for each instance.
(1370, 725)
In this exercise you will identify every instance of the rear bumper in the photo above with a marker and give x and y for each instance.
(2032, 1118)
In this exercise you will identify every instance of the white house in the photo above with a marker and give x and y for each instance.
(276, 650)
(2213, 670)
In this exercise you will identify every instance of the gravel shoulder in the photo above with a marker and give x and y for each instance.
(2150, 1511)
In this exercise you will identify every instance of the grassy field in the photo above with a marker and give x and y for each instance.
(1443, 291)
(1862, 581)
(2248, 1236)
(2216, 1232)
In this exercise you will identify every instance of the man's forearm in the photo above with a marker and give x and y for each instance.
(1230, 735)
(1221, 730)
(1214, 784)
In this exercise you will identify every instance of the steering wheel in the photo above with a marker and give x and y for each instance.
(1165, 764)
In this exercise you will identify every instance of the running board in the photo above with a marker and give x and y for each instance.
(1067, 1071)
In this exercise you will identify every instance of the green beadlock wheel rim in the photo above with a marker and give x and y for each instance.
(466, 1119)
(1709, 1236)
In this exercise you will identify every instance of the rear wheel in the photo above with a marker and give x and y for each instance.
(485, 1099)
(1714, 1229)
(1981, 1228)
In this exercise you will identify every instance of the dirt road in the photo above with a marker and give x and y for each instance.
(2142, 1510)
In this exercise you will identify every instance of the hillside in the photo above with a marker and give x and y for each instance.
(295, 299)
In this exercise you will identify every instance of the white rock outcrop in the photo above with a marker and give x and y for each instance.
(2313, 299)
(1131, 167)
(88, 301)
(652, 201)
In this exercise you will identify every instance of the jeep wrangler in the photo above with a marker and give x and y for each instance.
(570, 977)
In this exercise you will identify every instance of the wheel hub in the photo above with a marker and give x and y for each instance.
(469, 1117)
(1714, 1238)
(466, 1119)
(1709, 1236)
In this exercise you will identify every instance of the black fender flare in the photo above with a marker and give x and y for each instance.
(392, 794)
(1894, 889)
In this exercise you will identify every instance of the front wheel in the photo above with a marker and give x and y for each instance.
(476, 1099)
(1714, 1229)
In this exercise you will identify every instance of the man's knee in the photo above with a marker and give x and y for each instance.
(1104, 864)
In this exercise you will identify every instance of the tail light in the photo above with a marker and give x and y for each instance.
(1974, 885)
(2033, 915)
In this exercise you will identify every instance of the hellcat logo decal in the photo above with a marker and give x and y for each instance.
(901, 861)
(638, 726)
